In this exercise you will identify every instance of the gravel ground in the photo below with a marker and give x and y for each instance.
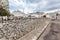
(52, 32)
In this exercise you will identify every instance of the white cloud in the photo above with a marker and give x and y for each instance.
(30, 7)
(54, 5)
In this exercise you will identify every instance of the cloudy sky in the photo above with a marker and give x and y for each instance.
(34, 5)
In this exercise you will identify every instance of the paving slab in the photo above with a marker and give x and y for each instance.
(33, 35)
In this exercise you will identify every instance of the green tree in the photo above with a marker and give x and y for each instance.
(44, 16)
(4, 12)
(29, 16)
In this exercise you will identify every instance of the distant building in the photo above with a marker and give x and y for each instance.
(4, 4)
(58, 11)
(36, 14)
(51, 15)
(19, 13)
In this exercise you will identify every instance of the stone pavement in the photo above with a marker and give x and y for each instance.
(33, 35)
(52, 32)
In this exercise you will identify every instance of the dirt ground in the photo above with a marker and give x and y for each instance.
(52, 32)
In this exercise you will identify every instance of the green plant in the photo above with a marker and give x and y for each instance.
(4, 12)
(29, 16)
(44, 16)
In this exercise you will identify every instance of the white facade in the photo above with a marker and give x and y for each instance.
(20, 14)
(37, 14)
(51, 15)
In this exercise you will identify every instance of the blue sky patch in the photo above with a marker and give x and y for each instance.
(34, 5)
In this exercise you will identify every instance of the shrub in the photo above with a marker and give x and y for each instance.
(4, 12)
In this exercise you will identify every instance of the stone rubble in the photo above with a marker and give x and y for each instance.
(17, 28)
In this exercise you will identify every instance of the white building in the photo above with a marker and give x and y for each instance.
(51, 15)
(20, 14)
(36, 14)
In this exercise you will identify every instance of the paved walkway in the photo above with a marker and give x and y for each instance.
(52, 32)
(33, 35)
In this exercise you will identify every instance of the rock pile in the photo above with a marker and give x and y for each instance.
(17, 28)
